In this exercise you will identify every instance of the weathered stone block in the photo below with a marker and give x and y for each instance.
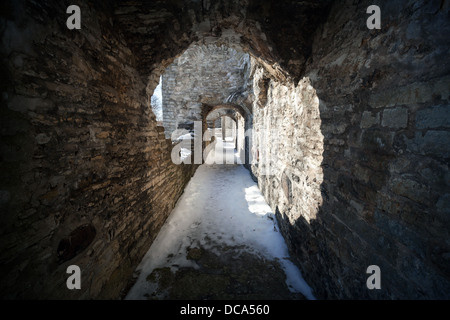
(368, 120)
(377, 140)
(396, 118)
(443, 207)
(433, 142)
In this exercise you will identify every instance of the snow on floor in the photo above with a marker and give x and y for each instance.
(221, 205)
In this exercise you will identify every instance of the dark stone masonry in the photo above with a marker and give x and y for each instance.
(350, 128)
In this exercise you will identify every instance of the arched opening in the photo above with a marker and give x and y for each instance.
(213, 84)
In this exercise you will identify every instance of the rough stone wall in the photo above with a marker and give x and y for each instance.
(202, 74)
(383, 110)
(86, 176)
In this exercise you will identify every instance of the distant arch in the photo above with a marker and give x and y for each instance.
(241, 117)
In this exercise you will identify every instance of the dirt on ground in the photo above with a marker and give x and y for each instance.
(225, 273)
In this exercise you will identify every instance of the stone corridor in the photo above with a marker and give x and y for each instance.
(221, 241)
(343, 129)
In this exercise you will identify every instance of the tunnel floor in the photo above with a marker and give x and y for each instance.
(221, 241)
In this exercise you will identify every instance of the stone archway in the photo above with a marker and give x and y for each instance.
(240, 115)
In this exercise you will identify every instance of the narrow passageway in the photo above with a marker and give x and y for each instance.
(221, 241)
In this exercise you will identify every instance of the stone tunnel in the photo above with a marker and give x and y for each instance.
(358, 118)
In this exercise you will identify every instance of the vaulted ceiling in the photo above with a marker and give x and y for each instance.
(277, 33)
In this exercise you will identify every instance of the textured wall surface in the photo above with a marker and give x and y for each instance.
(368, 177)
(361, 118)
(86, 176)
(202, 74)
